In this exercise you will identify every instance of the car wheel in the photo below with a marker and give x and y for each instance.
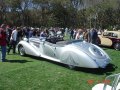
(117, 46)
(21, 51)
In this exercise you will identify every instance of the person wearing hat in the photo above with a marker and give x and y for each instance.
(3, 42)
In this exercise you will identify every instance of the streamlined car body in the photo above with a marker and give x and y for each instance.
(73, 53)
(110, 39)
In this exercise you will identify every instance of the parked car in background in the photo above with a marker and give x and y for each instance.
(110, 39)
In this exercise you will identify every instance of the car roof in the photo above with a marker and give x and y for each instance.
(117, 32)
(114, 31)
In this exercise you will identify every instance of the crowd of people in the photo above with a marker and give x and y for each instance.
(89, 35)
(10, 36)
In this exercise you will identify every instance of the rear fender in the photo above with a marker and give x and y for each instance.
(76, 57)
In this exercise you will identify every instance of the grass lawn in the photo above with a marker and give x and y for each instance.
(30, 73)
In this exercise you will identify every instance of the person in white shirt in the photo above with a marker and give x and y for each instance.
(79, 34)
(13, 40)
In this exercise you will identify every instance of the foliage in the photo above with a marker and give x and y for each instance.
(62, 13)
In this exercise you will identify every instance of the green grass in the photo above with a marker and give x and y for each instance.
(30, 73)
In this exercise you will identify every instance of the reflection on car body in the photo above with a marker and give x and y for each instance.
(73, 53)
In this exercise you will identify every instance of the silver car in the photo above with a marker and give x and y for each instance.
(73, 53)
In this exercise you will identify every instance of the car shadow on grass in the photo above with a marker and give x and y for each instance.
(100, 71)
(18, 61)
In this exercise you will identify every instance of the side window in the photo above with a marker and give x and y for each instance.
(114, 35)
(105, 34)
(108, 34)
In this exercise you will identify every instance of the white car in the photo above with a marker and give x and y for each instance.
(111, 82)
(73, 53)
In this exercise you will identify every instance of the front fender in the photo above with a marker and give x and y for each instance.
(29, 49)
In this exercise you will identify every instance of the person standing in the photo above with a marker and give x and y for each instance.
(86, 35)
(9, 31)
(71, 33)
(94, 36)
(79, 34)
(3, 42)
(13, 40)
